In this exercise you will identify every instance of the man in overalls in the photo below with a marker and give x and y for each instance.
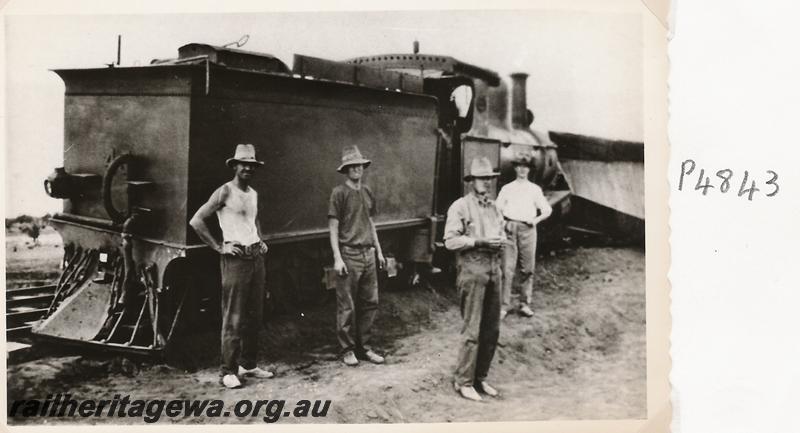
(474, 230)
(243, 274)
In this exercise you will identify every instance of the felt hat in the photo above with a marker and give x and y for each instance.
(480, 167)
(352, 156)
(244, 153)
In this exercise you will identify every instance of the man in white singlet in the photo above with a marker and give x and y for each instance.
(243, 274)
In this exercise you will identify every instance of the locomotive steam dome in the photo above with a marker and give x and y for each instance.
(493, 113)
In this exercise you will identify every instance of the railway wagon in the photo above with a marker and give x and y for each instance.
(145, 146)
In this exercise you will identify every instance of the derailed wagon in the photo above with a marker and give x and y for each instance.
(143, 147)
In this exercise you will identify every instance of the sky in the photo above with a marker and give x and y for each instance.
(585, 67)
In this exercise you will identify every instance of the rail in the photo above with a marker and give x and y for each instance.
(24, 307)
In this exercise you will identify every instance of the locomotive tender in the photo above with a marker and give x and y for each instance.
(145, 146)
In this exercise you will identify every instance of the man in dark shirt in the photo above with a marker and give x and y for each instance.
(354, 242)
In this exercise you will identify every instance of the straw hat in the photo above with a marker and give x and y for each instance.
(480, 167)
(352, 156)
(244, 153)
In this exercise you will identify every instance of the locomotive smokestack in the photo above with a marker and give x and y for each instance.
(519, 104)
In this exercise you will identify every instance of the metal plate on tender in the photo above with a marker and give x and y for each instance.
(79, 317)
(329, 278)
(376, 78)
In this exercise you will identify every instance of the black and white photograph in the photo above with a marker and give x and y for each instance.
(334, 217)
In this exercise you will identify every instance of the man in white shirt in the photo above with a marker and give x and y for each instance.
(523, 206)
(242, 267)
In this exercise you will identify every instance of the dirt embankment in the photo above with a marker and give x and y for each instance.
(582, 356)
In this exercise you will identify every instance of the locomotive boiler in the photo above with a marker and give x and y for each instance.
(145, 146)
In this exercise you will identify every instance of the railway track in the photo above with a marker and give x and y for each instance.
(25, 306)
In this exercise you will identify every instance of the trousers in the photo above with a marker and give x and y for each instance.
(243, 283)
(519, 255)
(479, 284)
(356, 299)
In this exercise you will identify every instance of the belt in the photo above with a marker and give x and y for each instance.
(482, 252)
(357, 248)
(253, 250)
(249, 251)
(518, 221)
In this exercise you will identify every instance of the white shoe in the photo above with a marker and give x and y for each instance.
(488, 390)
(349, 359)
(257, 372)
(469, 393)
(230, 381)
(503, 314)
(373, 357)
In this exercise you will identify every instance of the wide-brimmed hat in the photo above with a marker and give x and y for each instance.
(352, 156)
(480, 167)
(522, 158)
(244, 153)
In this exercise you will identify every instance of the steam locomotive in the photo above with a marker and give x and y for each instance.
(145, 146)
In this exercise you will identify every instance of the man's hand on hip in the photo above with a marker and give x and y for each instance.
(231, 249)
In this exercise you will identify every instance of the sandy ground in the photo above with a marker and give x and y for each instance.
(32, 265)
(581, 357)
